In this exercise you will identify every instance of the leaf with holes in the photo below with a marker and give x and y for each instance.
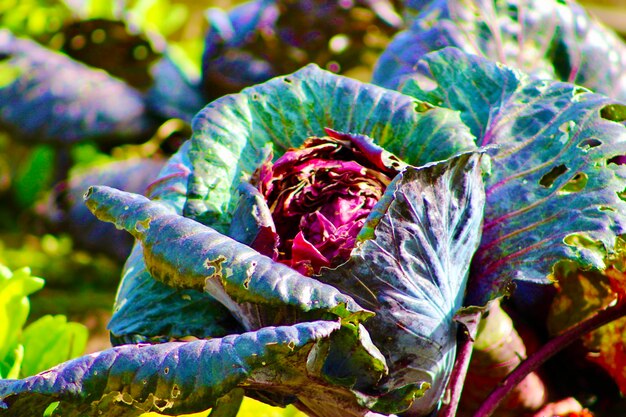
(172, 378)
(550, 39)
(206, 180)
(557, 180)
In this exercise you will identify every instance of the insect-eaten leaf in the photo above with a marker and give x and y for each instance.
(553, 193)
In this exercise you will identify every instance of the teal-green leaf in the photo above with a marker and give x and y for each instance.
(233, 135)
(148, 310)
(186, 254)
(411, 267)
(557, 176)
(171, 378)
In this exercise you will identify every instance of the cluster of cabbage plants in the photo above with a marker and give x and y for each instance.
(331, 243)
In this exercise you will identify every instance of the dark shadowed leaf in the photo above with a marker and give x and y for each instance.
(411, 267)
(548, 38)
(186, 254)
(172, 378)
(41, 85)
(110, 45)
(261, 39)
(173, 93)
(66, 208)
(556, 185)
(233, 135)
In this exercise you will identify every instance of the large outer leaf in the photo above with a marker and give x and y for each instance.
(555, 186)
(148, 309)
(52, 98)
(233, 134)
(547, 38)
(411, 268)
(172, 378)
(186, 254)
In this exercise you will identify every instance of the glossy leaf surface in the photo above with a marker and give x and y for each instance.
(84, 103)
(411, 267)
(547, 38)
(556, 178)
(172, 378)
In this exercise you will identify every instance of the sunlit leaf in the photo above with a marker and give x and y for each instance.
(49, 341)
(233, 135)
(67, 211)
(185, 254)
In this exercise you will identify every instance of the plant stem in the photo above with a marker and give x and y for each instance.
(548, 350)
(459, 372)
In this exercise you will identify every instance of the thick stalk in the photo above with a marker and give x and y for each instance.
(459, 372)
(548, 350)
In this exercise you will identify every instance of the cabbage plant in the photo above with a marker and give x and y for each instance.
(317, 240)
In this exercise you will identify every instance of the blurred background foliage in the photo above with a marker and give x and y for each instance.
(174, 56)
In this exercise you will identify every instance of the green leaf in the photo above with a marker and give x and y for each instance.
(15, 287)
(172, 378)
(411, 268)
(49, 341)
(186, 254)
(232, 135)
(555, 191)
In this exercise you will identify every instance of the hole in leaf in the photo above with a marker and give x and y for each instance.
(288, 81)
(50, 409)
(580, 90)
(166, 370)
(614, 112)
(606, 208)
(617, 160)
(175, 391)
(622, 194)
(421, 107)
(589, 143)
(548, 179)
(576, 184)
